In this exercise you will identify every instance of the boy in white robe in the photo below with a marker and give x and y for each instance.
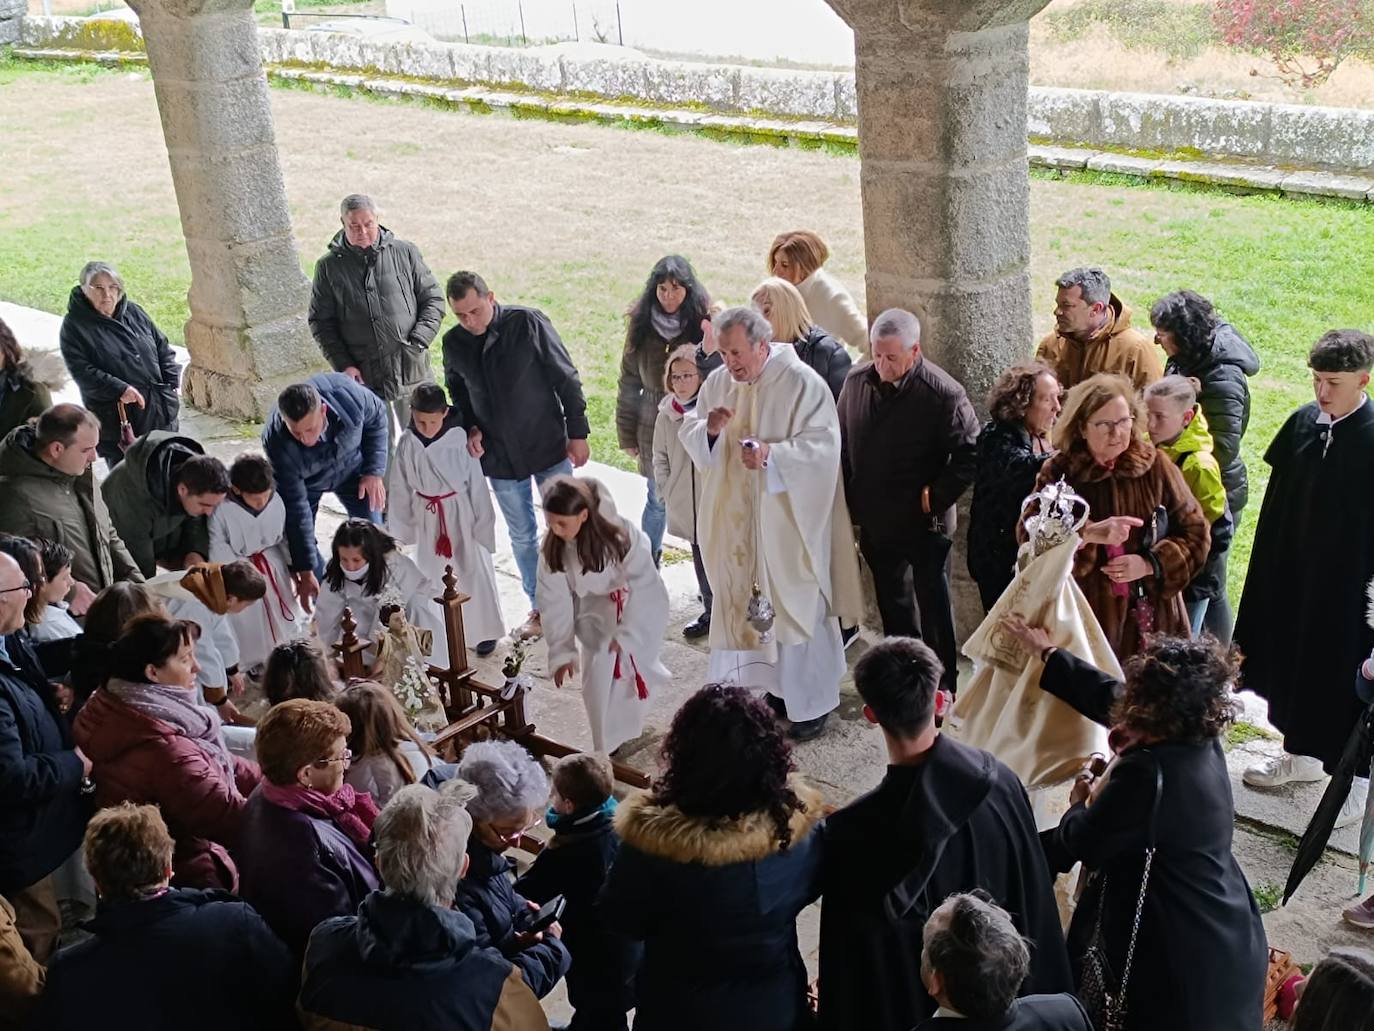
(611, 620)
(438, 500)
(766, 437)
(251, 525)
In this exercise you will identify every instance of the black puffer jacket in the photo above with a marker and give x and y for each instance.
(376, 310)
(816, 348)
(106, 356)
(1007, 467)
(1223, 369)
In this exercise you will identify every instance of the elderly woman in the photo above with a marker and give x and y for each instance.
(668, 315)
(115, 353)
(304, 853)
(797, 256)
(1148, 537)
(1023, 403)
(409, 958)
(782, 305)
(1166, 796)
(153, 741)
(26, 382)
(716, 861)
(166, 940)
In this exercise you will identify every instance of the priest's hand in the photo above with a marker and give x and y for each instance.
(372, 488)
(717, 419)
(1112, 530)
(755, 457)
(564, 672)
(307, 589)
(1126, 569)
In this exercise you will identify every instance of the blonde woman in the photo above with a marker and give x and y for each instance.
(797, 256)
(782, 305)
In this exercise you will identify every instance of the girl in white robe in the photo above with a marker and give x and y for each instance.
(438, 500)
(251, 525)
(365, 571)
(603, 605)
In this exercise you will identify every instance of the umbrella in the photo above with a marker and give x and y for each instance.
(126, 429)
(1354, 757)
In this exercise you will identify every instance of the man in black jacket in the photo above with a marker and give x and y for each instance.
(519, 396)
(908, 450)
(950, 818)
(375, 307)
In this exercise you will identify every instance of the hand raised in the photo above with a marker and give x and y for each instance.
(718, 419)
(1112, 530)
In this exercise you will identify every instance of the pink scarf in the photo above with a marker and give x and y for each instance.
(351, 811)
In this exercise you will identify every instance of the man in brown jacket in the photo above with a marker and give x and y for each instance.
(908, 446)
(1093, 333)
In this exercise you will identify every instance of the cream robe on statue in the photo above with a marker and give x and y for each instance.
(580, 616)
(443, 480)
(405, 581)
(785, 527)
(1002, 709)
(237, 532)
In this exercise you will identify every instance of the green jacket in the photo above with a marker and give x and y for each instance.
(145, 508)
(37, 500)
(1192, 453)
(26, 389)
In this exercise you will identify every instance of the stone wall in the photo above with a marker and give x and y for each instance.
(11, 17)
(1337, 139)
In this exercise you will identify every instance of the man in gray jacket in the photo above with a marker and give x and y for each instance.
(375, 306)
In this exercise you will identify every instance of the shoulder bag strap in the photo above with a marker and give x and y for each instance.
(1140, 899)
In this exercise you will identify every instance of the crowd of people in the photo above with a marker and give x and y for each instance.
(335, 872)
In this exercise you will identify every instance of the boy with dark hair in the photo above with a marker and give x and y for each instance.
(574, 864)
(952, 818)
(251, 525)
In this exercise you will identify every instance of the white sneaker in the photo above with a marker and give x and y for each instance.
(1352, 809)
(1283, 768)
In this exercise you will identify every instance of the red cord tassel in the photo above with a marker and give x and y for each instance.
(443, 547)
(641, 688)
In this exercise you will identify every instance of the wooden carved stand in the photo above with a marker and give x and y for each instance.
(475, 710)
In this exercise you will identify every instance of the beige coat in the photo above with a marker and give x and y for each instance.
(1118, 347)
(676, 478)
(833, 309)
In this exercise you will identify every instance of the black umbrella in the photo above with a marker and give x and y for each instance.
(1354, 757)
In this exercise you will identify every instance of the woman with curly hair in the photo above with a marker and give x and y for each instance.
(716, 861)
(1023, 403)
(1159, 823)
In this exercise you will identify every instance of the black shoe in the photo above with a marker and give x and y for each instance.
(775, 703)
(848, 635)
(485, 648)
(699, 627)
(805, 730)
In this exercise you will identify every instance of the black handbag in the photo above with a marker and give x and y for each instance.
(1102, 993)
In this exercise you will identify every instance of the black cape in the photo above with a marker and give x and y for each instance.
(958, 821)
(1301, 622)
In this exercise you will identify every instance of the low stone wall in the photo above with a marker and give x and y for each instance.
(1152, 125)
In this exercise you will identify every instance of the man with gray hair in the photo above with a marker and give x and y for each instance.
(375, 306)
(1093, 333)
(774, 531)
(408, 958)
(908, 450)
(973, 964)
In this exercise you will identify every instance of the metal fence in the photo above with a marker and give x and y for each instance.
(515, 22)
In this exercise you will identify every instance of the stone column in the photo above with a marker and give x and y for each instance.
(11, 15)
(247, 333)
(946, 192)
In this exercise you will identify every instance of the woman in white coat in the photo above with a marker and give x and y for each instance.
(603, 605)
(798, 256)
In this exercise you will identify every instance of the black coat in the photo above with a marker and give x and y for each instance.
(403, 965)
(1222, 369)
(1007, 467)
(1298, 624)
(817, 349)
(517, 385)
(184, 959)
(487, 897)
(716, 904)
(1201, 956)
(958, 821)
(106, 356)
(1061, 1012)
(42, 812)
(574, 864)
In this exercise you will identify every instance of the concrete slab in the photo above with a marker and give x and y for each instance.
(1072, 158)
(1223, 173)
(1124, 164)
(1328, 184)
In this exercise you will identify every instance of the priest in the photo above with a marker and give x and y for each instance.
(773, 528)
(1313, 555)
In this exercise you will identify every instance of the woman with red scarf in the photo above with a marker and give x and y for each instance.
(304, 853)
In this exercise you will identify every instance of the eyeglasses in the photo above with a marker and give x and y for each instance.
(323, 764)
(682, 377)
(1113, 425)
(25, 586)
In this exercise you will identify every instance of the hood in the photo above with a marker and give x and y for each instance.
(668, 833)
(1194, 438)
(17, 458)
(666, 407)
(396, 931)
(1230, 348)
(1121, 317)
(339, 243)
(83, 311)
(106, 728)
(159, 454)
(116, 918)
(44, 367)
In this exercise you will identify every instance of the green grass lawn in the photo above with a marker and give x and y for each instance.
(569, 218)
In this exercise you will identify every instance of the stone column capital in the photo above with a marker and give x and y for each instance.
(922, 17)
(150, 9)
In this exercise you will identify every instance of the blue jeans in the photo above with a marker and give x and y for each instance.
(517, 509)
(1197, 611)
(654, 519)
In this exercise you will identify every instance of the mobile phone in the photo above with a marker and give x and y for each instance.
(549, 913)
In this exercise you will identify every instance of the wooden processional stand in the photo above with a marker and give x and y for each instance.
(475, 711)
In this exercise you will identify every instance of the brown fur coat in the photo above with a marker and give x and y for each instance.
(1141, 480)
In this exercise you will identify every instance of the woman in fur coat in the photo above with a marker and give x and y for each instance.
(716, 861)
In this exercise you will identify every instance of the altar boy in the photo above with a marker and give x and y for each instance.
(438, 500)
